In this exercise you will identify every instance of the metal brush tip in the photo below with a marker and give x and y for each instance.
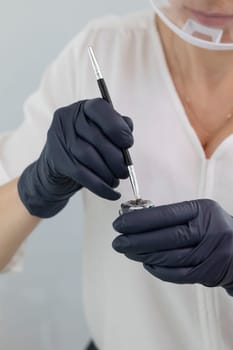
(94, 63)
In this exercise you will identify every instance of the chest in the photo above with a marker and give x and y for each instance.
(209, 134)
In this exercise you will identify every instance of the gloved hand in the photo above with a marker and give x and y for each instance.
(187, 242)
(83, 149)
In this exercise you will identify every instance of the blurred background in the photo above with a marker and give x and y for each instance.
(41, 308)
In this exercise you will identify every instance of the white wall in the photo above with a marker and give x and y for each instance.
(41, 308)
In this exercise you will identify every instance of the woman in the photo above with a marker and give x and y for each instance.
(172, 73)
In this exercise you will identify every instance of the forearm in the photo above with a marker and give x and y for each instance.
(15, 222)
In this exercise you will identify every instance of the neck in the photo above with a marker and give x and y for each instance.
(205, 79)
(201, 67)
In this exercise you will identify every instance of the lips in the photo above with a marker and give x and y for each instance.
(208, 18)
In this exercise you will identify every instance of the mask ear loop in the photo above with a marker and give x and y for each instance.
(194, 28)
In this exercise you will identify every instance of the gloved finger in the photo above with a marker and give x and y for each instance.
(109, 121)
(169, 258)
(174, 258)
(155, 241)
(136, 257)
(155, 218)
(180, 275)
(88, 156)
(129, 122)
(93, 183)
(111, 154)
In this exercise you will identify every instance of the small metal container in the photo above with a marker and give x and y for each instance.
(129, 206)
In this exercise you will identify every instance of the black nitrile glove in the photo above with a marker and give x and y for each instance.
(188, 242)
(83, 149)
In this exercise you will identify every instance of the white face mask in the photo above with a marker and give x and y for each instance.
(213, 32)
